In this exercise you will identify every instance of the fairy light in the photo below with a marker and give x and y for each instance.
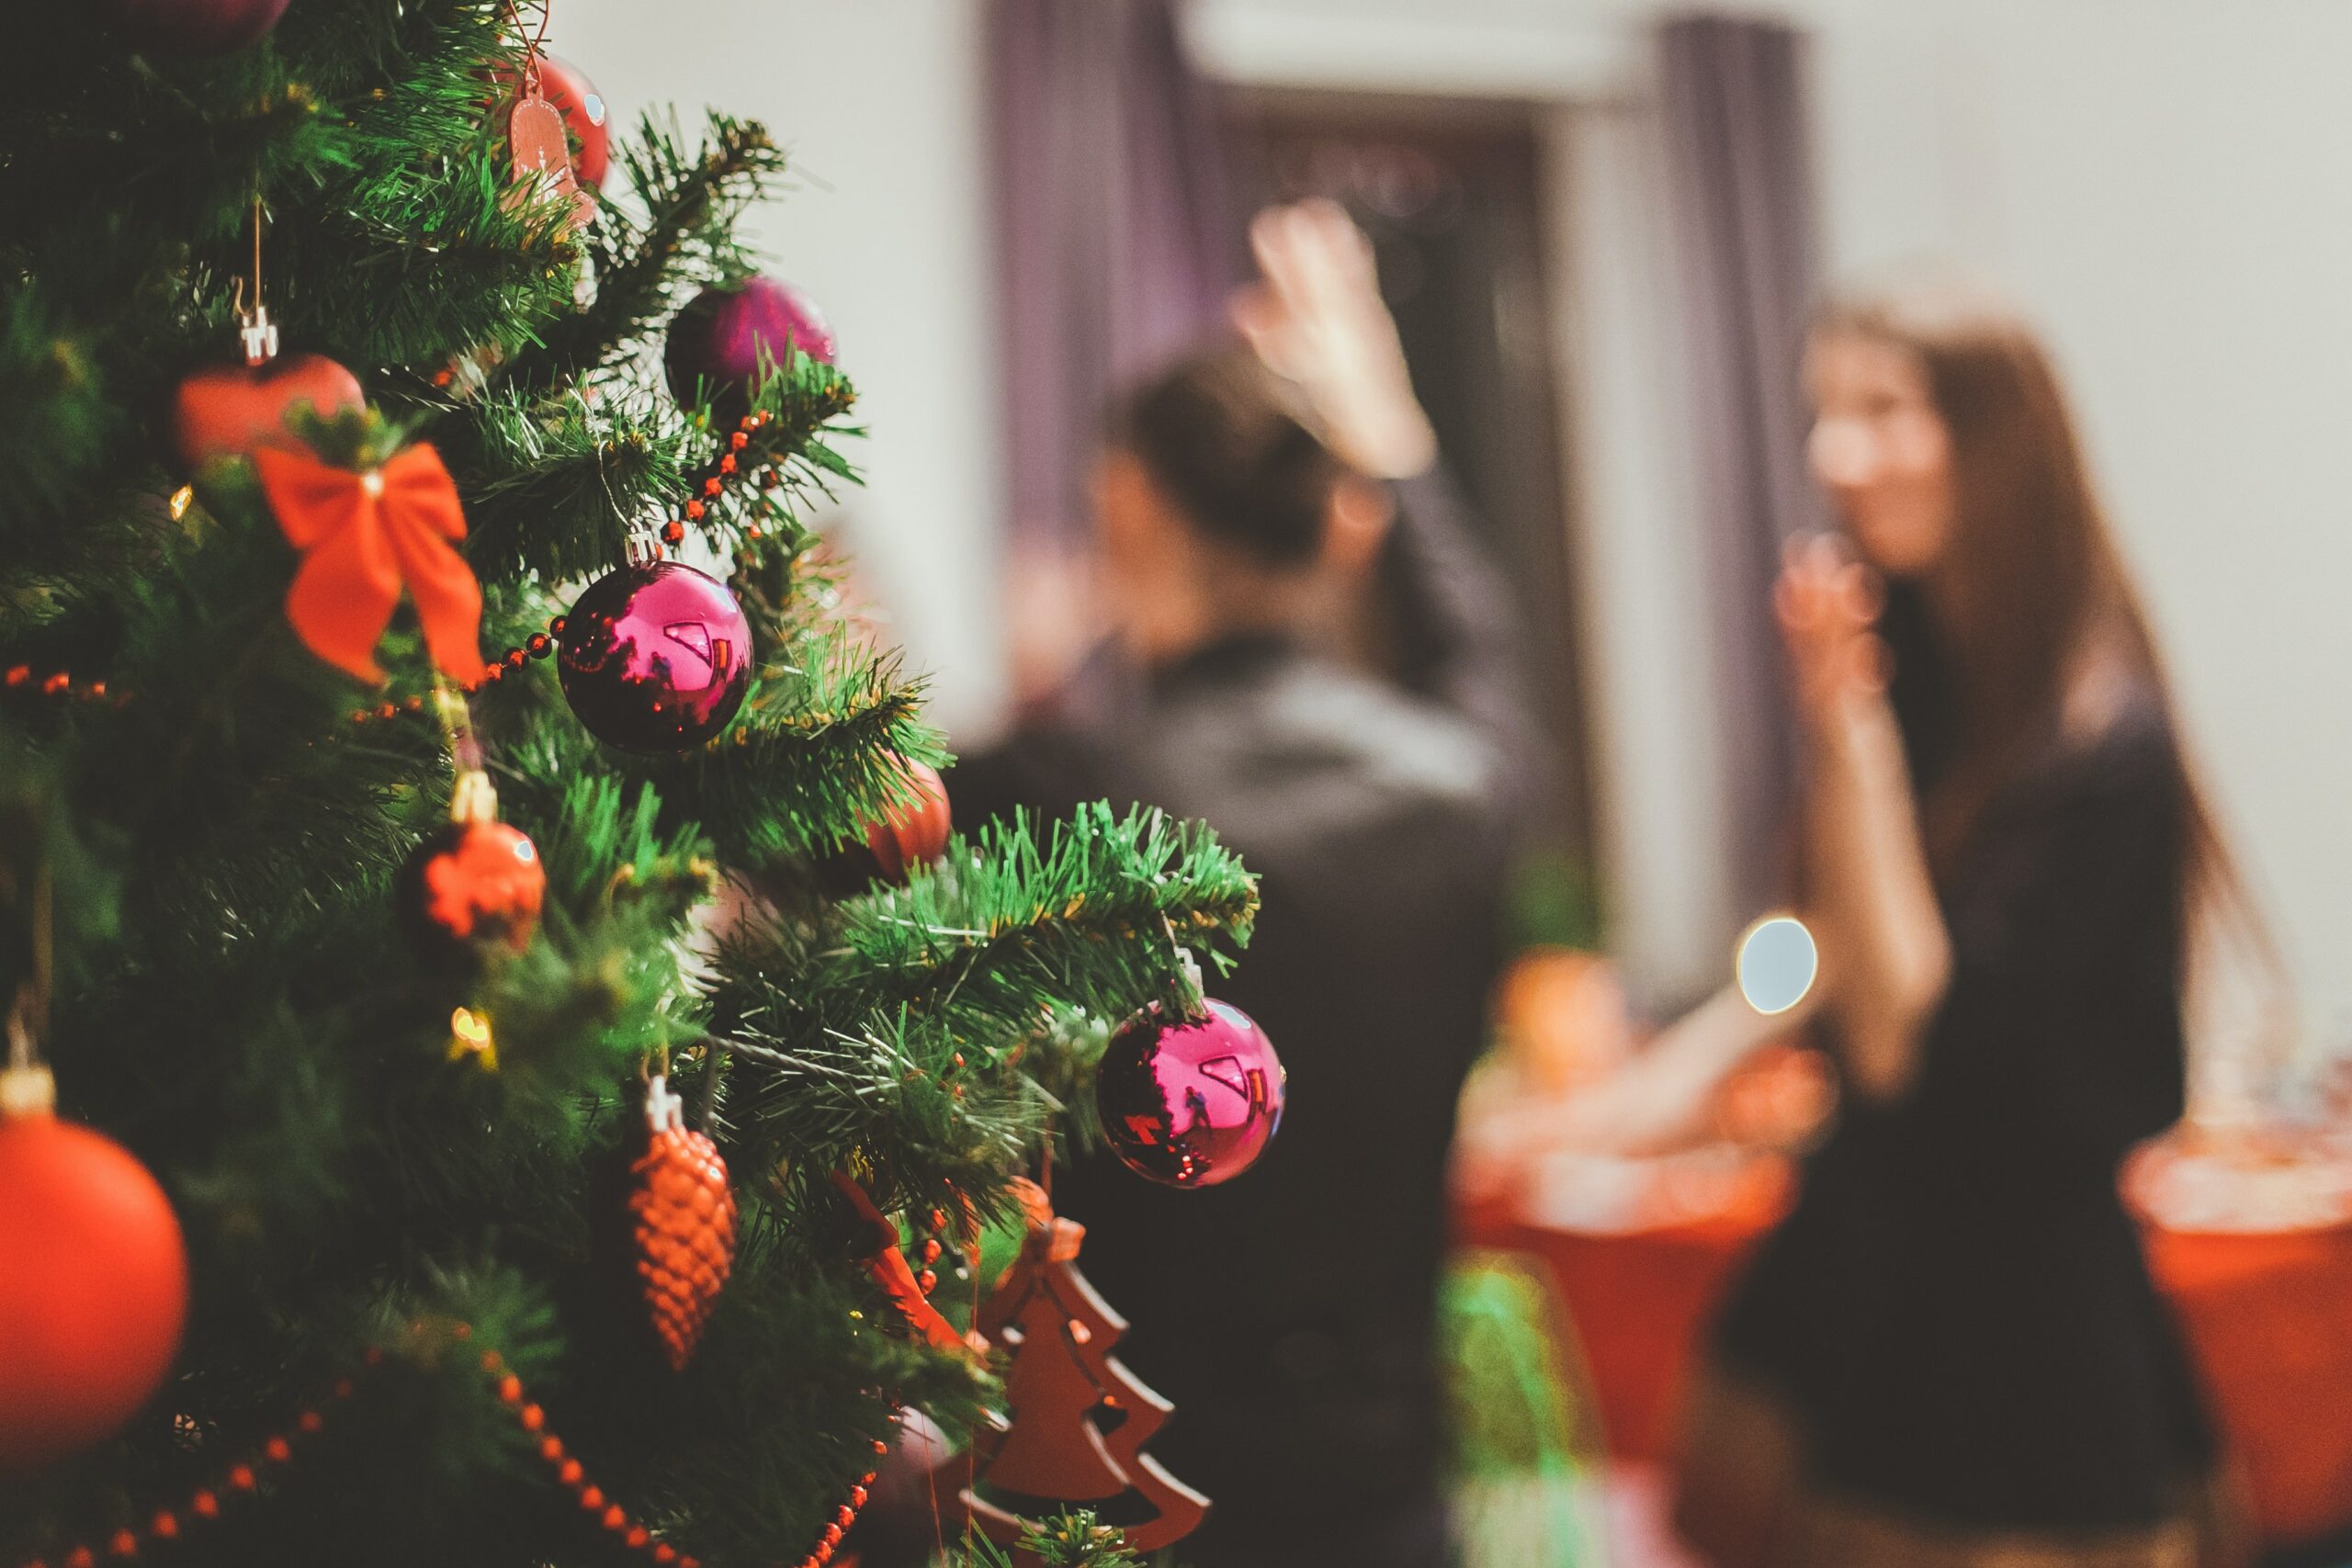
(470, 1036)
(1777, 964)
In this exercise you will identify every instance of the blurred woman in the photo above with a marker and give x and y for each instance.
(1951, 1352)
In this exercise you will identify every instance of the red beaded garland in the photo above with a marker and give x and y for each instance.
(204, 1503)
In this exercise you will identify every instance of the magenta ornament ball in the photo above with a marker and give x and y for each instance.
(716, 340)
(655, 658)
(1192, 1102)
(195, 27)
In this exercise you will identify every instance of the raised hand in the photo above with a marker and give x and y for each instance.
(1317, 319)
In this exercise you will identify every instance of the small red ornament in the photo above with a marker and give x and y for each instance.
(1192, 1102)
(655, 657)
(93, 1278)
(234, 410)
(1080, 1419)
(684, 1225)
(915, 832)
(472, 881)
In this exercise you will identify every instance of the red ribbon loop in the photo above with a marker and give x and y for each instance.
(363, 538)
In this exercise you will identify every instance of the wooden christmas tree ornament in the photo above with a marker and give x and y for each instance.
(1079, 1420)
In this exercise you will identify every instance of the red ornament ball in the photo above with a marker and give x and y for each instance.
(469, 883)
(655, 658)
(916, 832)
(233, 411)
(195, 27)
(568, 87)
(716, 341)
(1192, 1102)
(93, 1281)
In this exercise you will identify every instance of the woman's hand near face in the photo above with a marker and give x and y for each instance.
(1885, 953)
(1827, 606)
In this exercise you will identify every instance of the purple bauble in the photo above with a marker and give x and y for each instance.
(195, 27)
(1192, 1103)
(655, 658)
(716, 340)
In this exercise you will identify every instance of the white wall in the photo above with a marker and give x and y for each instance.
(2167, 183)
(879, 100)
(2169, 188)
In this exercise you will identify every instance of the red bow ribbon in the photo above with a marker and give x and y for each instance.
(363, 538)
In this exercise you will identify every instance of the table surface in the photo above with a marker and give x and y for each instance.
(2269, 1317)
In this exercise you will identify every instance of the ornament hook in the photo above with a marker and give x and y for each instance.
(1191, 992)
(663, 1109)
(643, 547)
(254, 329)
(27, 1087)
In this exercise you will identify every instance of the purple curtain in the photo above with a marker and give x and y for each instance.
(1740, 180)
(1115, 246)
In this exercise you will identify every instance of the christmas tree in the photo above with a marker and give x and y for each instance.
(479, 892)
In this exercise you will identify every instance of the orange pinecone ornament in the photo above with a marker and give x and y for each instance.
(685, 1225)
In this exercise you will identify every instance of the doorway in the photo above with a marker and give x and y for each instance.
(1449, 191)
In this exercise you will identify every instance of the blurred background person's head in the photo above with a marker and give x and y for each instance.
(1223, 511)
(1945, 442)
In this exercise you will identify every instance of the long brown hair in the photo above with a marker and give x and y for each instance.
(2032, 592)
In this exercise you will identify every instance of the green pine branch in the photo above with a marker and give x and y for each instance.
(932, 1024)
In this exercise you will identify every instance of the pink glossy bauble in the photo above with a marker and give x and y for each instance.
(1192, 1102)
(716, 341)
(655, 658)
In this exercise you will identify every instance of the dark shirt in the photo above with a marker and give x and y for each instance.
(1290, 1314)
(1958, 1309)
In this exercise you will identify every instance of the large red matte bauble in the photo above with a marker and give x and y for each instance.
(655, 658)
(468, 882)
(1190, 1103)
(916, 833)
(195, 27)
(92, 1288)
(717, 342)
(231, 410)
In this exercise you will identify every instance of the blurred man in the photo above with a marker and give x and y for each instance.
(1255, 502)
